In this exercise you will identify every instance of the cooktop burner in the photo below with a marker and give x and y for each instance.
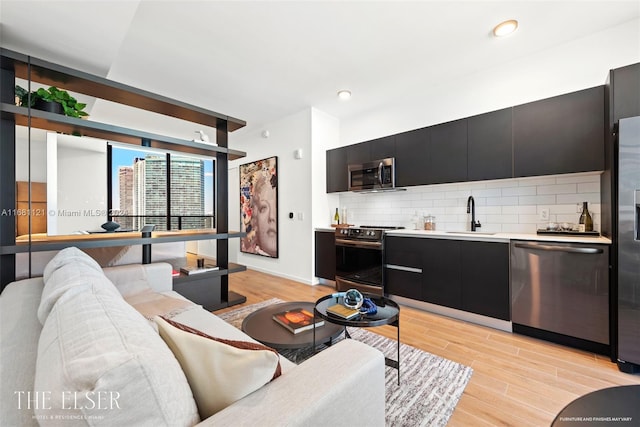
(382, 227)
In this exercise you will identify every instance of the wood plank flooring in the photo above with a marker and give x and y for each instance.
(517, 380)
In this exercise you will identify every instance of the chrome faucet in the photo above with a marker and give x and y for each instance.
(471, 208)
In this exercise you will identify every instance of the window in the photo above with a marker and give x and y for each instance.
(142, 192)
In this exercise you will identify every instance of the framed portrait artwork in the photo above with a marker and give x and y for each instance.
(259, 207)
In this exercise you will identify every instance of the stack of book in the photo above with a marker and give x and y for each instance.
(297, 320)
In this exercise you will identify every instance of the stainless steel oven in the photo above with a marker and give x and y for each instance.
(359, 259)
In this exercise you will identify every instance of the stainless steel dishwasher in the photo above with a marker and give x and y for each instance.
(560, 292)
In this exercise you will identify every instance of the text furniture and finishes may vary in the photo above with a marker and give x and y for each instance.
(20, 66)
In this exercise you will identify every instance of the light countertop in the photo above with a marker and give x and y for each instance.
(498, 237)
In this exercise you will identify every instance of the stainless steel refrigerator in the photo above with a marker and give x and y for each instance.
(628, 244)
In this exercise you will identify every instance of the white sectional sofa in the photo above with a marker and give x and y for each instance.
(73, 351)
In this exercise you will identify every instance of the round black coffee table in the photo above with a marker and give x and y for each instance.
(606, 407)
(260, 326)
(388, 313)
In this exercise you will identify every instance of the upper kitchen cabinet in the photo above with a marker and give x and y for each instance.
(448, 152)
(383, 148)
(489, 146)
(625, 99)
(563, 134)
(337, 177)
(412, 157)
(359, 153)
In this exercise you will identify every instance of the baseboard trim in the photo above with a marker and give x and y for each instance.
(478, 319)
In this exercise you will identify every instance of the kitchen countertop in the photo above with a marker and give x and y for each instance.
(498, 237)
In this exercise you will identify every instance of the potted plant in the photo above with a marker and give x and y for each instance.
(53, 100)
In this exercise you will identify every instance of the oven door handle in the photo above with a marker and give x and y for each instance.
(366, 245)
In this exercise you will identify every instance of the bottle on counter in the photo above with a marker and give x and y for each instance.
(336, 218)
(344, 216)
(585, 223)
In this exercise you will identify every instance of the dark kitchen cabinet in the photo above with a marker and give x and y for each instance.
(448, 152)
(485, 278)
(563, 134)
(382, 148)
(441, 275)
(359, 153)
(625, 99)
(489, 146)
(337, 177)
(464, 275)
(412, 158)
(325, 255)
(403, 272)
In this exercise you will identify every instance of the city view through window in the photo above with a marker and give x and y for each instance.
(140, 191)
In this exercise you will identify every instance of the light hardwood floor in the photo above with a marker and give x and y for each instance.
(516, 381)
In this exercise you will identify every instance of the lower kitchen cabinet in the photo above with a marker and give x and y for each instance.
(441, 278)
(465, 275)
(485, 278)
(404, 283)
(325, 255)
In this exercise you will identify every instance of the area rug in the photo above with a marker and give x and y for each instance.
(430, 386)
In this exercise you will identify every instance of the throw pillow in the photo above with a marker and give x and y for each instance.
(219, 371)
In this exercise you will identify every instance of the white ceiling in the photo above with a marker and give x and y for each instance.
(262, 60)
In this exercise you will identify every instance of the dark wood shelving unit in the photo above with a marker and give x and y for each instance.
(72, 126)
(212, 286)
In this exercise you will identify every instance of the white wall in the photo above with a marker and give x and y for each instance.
(81, 194)
(294, 195)
(325, 131)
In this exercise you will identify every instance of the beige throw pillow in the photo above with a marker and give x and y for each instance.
(219, 371)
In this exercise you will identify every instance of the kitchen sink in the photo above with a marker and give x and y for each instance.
(471, 232)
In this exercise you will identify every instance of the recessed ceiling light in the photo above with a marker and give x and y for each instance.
(344, 95)
(505, 28)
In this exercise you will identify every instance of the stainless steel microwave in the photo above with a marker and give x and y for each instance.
(376, 175)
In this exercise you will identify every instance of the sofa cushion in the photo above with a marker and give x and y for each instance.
(102, 364)
(71, 268)
(219, 371)
(19, 333)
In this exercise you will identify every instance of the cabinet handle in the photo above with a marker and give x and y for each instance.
(403, 268)
(557, 248)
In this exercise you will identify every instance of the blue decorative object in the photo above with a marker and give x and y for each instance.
(368, 307)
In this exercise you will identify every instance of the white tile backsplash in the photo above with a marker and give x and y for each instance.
(508, 205)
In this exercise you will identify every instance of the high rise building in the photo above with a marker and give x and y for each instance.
(125, 187)
(187, 192)
(150, 192)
